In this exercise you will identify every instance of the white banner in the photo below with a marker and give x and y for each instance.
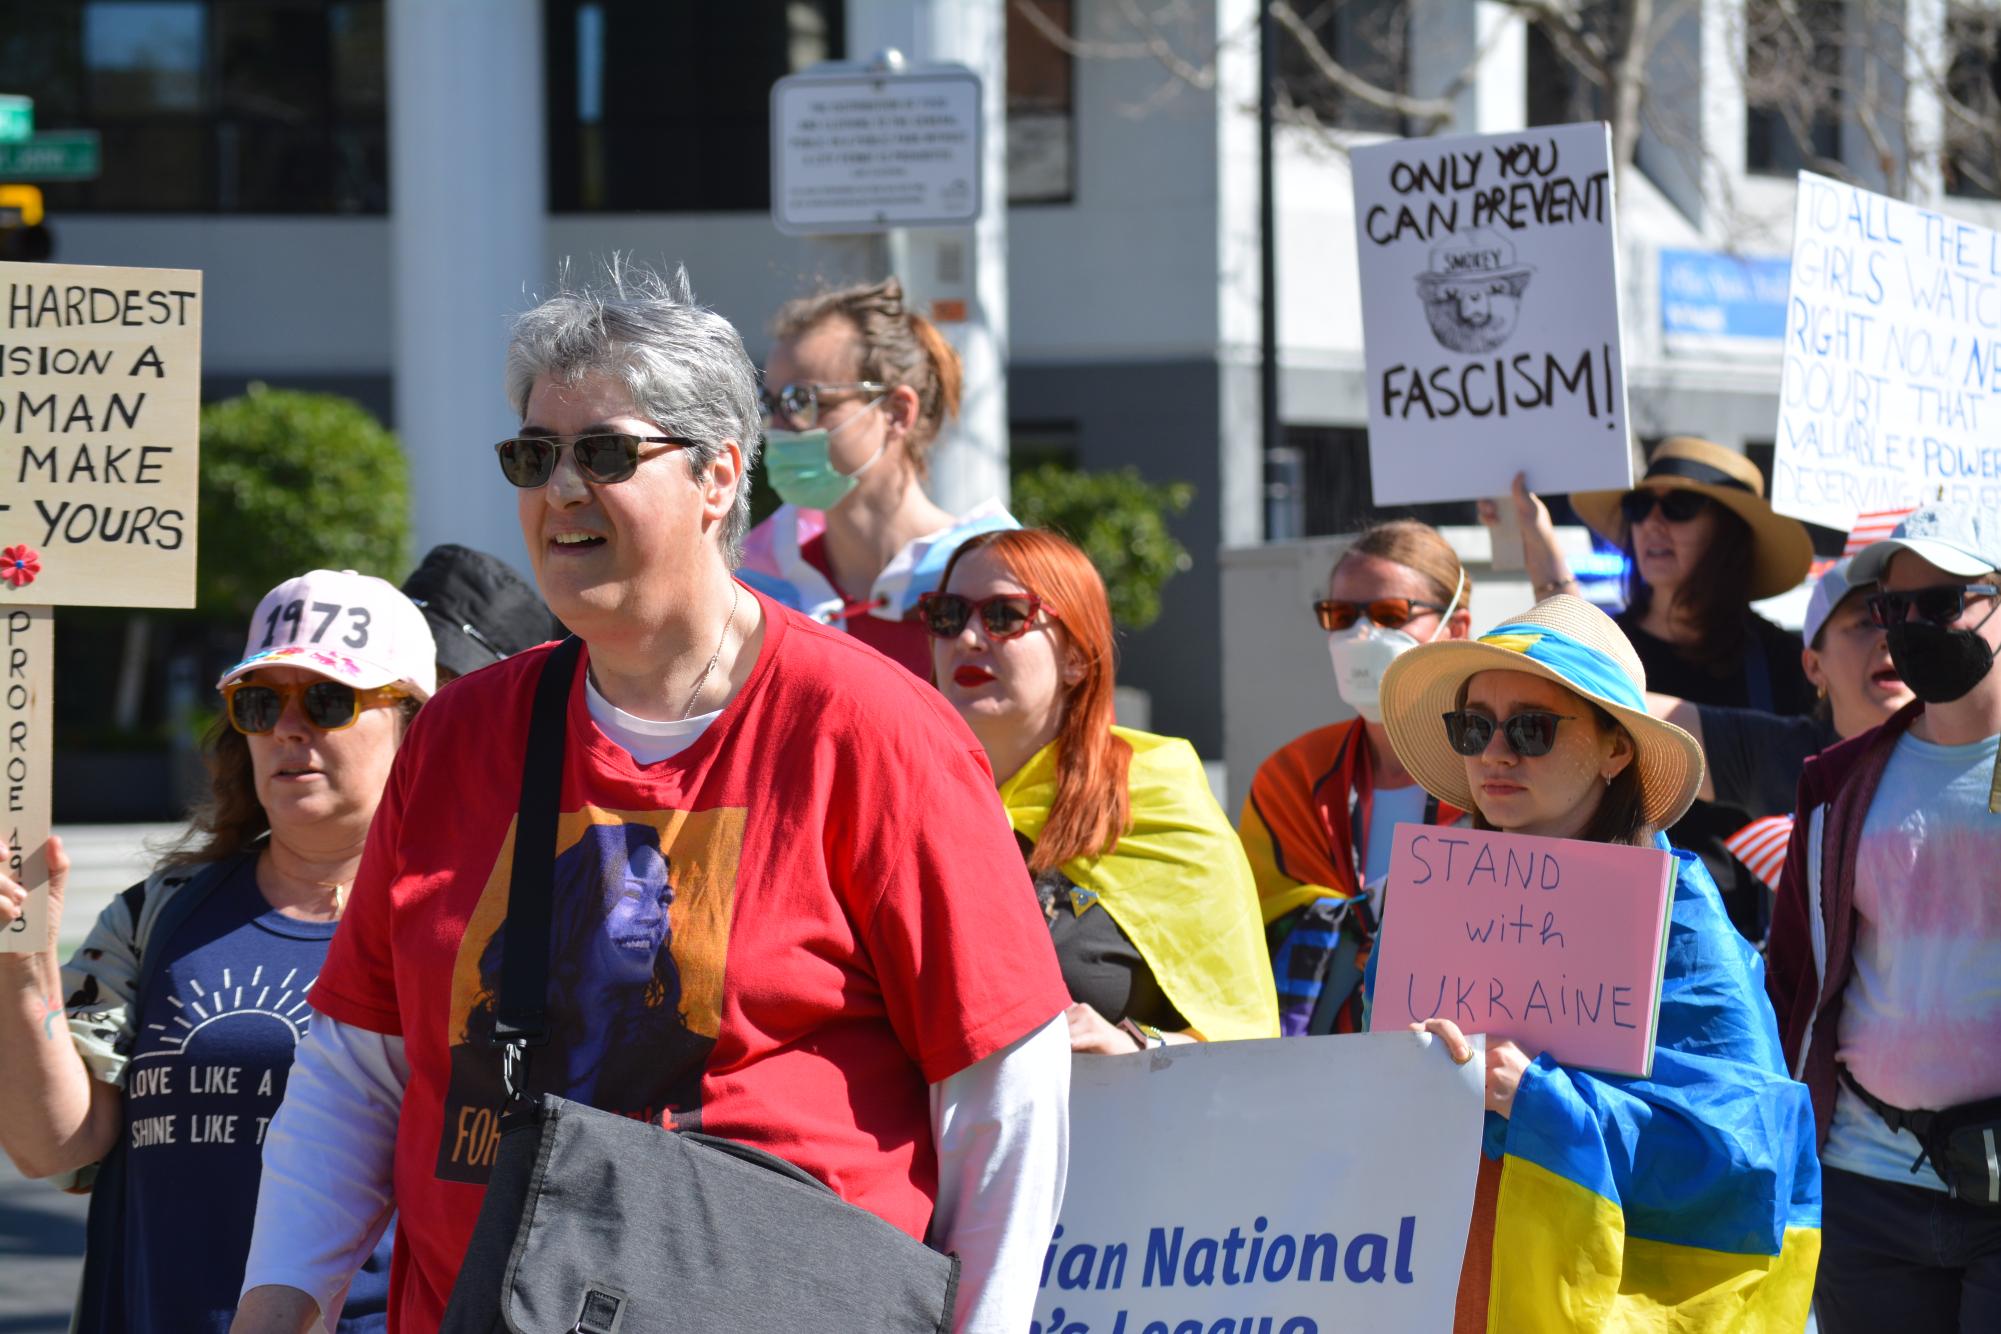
(1893, 359)
(1490, 304)
(1286, 1186)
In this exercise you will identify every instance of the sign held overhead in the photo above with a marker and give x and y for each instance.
(858, 150)
(1489, 279)
(1891, 390)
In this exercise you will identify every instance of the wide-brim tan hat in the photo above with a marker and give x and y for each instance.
(1781, 550)
(1561, 639)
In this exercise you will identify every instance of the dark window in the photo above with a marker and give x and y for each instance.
(1792, 84)
(1037, 444)
(1973, 102)
(1338, 495)
(1041, 91)
(210, 106)
(1369, 39)
(664, 106)
(1559, 93)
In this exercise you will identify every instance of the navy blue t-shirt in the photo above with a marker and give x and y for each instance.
(216, 1035)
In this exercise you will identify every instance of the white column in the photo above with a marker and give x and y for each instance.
(1926, 58)
(468, 206)
(969, 463)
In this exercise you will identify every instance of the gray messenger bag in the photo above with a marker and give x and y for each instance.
(594, 1223)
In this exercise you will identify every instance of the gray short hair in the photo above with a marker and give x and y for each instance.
(685, 364)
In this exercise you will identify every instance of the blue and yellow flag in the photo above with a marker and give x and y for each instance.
(1687, 1202)
(1177, 884)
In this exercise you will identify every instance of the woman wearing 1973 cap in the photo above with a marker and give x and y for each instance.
(1702, 544)
(1689, 1199)
(188, 998)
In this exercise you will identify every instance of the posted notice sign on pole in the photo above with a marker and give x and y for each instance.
(1490, 306)
(1204, 1194)
(1891, 392)
(100, 403)
(858, 150)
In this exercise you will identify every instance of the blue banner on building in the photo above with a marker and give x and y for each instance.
(1709, 295)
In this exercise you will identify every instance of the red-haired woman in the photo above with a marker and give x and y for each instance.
(1149, 899)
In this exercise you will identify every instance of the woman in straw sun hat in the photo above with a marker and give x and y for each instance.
(1702, 543)
(1690, 1198)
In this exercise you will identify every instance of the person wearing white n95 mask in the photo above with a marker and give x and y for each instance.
(1365, 649)
(1318, 821)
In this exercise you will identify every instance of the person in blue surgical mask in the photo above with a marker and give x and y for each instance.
(1316, 825)
(856, 390)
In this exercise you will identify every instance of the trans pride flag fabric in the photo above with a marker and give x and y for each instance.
(1687, 1202)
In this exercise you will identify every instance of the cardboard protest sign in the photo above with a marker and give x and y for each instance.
(1199, 1198)
(1553, 942)
(27, 736)
(100, 394)
(1891, 393)
(1490, 308)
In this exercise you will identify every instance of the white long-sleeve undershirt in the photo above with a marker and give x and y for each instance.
(1001, 1126)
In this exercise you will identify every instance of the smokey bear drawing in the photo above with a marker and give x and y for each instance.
(1472, 292)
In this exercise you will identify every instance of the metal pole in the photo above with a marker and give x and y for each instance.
(1277, 511)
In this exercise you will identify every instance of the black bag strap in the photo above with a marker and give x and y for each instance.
(521, 1017)
(1344, 977)
(1920, 1124)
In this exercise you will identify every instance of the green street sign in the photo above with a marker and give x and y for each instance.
(60, 155)
(17, 118)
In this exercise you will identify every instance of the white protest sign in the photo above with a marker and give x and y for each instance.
(1213, 1189)
(1892, 359)
(867, 151)
(100, 401)
(1490, 306)
(27, 675)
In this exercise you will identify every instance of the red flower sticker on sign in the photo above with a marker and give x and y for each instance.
(19, 565)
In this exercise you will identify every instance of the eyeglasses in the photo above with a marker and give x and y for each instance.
(1389, 613)
(255, 707)
(799, 403)
(605, 458)
(1529, 733)
(1941, 604)
(1676, 506)
(1002, 616)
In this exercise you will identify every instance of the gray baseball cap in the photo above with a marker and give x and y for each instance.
(1964, 543)
(1827, 595)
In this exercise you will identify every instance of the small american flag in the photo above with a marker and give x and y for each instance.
(1873, 527)
(1761, 846)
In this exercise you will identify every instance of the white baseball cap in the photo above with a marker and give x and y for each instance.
(348, 627)
(1827, 595)
(1963, 542)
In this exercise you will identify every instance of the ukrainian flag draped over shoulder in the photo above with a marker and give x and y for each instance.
(1688, 1202)
(1177, 884)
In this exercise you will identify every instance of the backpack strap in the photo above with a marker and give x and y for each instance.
(521, 1017)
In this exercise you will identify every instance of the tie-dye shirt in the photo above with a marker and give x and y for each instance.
(1922, 1015)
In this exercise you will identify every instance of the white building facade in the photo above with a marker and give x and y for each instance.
(466, 148)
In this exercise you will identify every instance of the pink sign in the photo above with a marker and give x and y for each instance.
(1553, 942)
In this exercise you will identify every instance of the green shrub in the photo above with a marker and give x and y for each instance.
(291, 482)
(1120, 520)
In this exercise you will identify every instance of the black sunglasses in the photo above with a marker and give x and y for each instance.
(1941, 604)
(1529, 733)
(1676, 506)
(1002, 616)
(1389, 613)
(255, 709)
(605, 457)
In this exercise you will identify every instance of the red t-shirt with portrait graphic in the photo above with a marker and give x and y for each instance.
(738, 937)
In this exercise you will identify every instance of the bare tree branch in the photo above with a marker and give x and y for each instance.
(1431, 112)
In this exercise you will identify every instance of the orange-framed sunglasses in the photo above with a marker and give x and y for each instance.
(255, 707)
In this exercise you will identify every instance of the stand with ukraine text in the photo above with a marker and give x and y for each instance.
(100, 388)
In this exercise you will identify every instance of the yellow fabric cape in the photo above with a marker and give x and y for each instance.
(1177, 884)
